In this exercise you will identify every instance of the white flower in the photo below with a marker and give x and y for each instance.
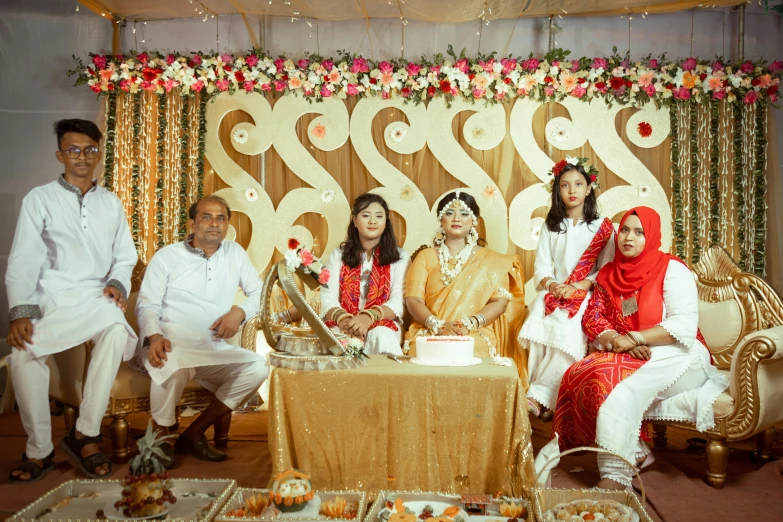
(239, 136)
(644, 191)
(535, 232)
(327, 195)
(397, 134)
(558, 133)
(292, 260)
(251, 195)
(572, 161)
(502, 292)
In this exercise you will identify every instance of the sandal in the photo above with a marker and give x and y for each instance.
(533, 409)
(73, 447)
(36, 471)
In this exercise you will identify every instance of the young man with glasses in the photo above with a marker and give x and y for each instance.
(68, 277)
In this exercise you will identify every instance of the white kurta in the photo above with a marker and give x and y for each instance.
(67, 249)
(556, 257)
(677, 383)
(183, 293)
(380, 339)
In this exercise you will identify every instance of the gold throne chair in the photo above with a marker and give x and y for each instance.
(741, 318)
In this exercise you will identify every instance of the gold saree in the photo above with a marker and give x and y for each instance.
(487, 275)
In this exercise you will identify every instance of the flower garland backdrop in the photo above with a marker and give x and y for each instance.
(672, 130)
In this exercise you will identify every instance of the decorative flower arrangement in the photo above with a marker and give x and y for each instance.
(318, 131)
(591, 171)
(327, 196)
(298, 256)
(251, 195)
(485, 78)
(490, 192)
(406, 193)
(644, 129)
(558, 134)
(239, 136)
(353, 347)
(397, 134)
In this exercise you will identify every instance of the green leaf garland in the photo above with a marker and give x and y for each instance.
(111, 138)
(679, 234)
(739, 185)
(184, 124)
(714, 177)
(135, 175)
(759, 195)
(693, 128)
(202, 136)
(159, 243)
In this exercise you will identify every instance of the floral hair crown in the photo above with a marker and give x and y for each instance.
(590, 170)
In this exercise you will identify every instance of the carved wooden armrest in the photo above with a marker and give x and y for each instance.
(764, 345)
(7, 402)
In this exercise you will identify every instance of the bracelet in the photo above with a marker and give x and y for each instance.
(615, 336)
(468, 323)
(434, 324)
(340, 314)
(481, 320)
(637, 338)
(371, 313)
(379, 309)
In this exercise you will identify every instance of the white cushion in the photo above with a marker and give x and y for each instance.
(720, 323)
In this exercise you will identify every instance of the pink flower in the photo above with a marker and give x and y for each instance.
(689, 64)
(549, 90)
(147, 86)
(196, 59)
(412, 69)
(387, 77)
(579, 91)
(125, 85)
(99, 61)
(227, 58)
(478, 93)
(325, 92)
(308, 92)
(385, 95)
(574, 65)
(521, 92)
(170, 84)
(303, 63)
(323, 277)
(306, 256)
(500, 96)
(683, 93)
(222, 85)
(279, 65)
(718, 95)
(646, 79)
(266, 87)
(508, 64)
(171, 59)
(773, 98)
(600, 63)
(487, 66)
(717, 66)
(652, 64)
(351, 89)
(251, 60)
(714, 83)
(462, 65)
(143, 58)
(385, 67)
(328, 65)
(765, 81)
(750, 97)
(248, 85)
(360, 65)
(649, 90)
(198, 86)
(279, 85)
(747, 67)
(530, 64)
(775, 66)
(95, 88)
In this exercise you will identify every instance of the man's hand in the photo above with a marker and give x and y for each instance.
(358, 326)
(159, 347)
(20, 332)
(117, 297)
(228, 325)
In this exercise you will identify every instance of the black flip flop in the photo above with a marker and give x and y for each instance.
(73, 447)
(36, 472)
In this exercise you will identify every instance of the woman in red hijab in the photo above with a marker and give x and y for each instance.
(651, 361)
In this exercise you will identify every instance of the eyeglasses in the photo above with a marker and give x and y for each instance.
(75, 152)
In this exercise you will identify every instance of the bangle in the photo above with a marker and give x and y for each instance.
(609, 344)
(340, 314)
(467, 322)
(637, 338)
(482, 321)
(434, 324)
(371, 313)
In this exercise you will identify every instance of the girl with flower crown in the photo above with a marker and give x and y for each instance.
(461, 288)
(574, 244)
(366, 301)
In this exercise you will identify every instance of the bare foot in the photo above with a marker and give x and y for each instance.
(24, 475)
(92, 449)
(610, 484)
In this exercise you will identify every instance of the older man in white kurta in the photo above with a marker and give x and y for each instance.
(187, 293)
(71, 259)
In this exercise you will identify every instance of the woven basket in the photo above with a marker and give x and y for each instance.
(545, 499)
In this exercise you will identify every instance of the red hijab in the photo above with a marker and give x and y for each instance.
(643, 274)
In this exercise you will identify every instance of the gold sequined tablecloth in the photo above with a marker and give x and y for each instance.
(404, 427)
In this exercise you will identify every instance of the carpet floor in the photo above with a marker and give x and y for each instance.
(676, 491)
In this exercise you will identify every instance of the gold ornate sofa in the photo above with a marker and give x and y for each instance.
(741, 318)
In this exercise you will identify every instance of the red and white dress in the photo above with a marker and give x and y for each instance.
(552, 332)
(367, 285)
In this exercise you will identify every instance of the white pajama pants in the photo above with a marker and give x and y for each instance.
(30, 377)
(383, 340)
(232, 385)
(615, 468)
(546, 367)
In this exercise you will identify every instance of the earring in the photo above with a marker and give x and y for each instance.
(473, 236)
(440, 235)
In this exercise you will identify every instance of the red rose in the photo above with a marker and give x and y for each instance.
(601, 86)
(110, 86)
(548, 79)
(284, 77)
(559, 166)
(702, 76)
(406, 91)
(616, 83)
(373, 81)
(581, 80)
(507, 80)
(628, 83)
(431, 91)
(471, 76)
(593, 178)
(293, 244)
(755, 81)
(772, 90)
(445, 86)
(239, 76)
(644, 129)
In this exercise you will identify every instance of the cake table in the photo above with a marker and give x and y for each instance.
(392, 426)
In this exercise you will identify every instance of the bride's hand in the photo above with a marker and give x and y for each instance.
(454, 328)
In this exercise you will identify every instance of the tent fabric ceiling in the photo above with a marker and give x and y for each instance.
(447, 11)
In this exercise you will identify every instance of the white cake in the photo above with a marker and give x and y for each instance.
(445, 351)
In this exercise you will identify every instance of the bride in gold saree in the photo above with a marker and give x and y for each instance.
(460, 288)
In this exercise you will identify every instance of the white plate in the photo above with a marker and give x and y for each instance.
(113, 513)
(470, 362)
(417, 506)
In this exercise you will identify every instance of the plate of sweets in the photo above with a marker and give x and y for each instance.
(421, 510)
(503, 510)
(586, 510)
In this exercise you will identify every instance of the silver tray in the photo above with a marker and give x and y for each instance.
(493, 510)
(237, 500)
(197, 499)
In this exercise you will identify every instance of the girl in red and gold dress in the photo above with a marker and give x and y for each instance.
(652, 362)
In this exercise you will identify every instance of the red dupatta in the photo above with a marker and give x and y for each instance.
(581, 270)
